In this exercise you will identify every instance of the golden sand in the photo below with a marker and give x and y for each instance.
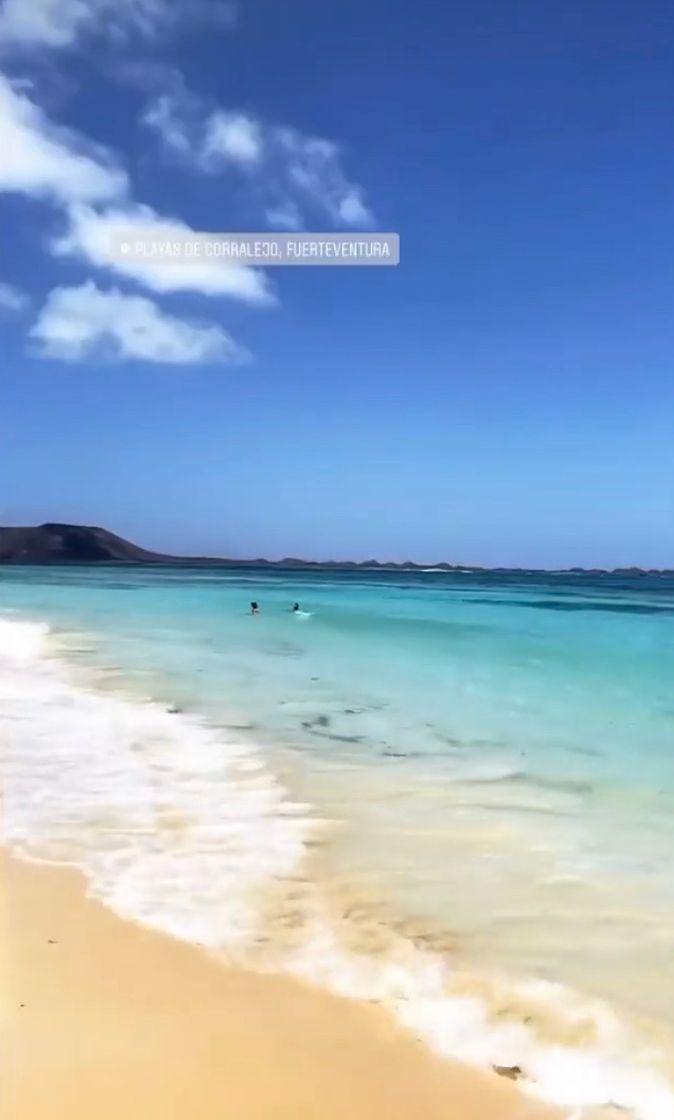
(104, 1020)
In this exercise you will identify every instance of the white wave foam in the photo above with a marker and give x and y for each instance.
(176, 825)
(606, 1066)
(187, 830)
(22, 641)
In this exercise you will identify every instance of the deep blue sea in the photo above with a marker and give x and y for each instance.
(453, 793)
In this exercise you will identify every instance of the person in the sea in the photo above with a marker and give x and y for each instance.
(296, 607)
(254, 609)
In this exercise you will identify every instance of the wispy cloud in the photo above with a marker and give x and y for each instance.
(87, 322)
(92, 236)
(11, 299)
(42, 160)
(160, 115)
(285, 215)
(314, 168)
(64, 23)
(297, 177)
(232, 136)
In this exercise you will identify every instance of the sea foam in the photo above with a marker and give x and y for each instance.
(183, 827)
(174, 823)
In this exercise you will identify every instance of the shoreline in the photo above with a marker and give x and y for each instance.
(108, 1018)
(72, 759)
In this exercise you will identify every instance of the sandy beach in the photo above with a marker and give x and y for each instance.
(104, 1018)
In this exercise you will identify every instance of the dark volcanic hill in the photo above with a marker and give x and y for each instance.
(68, 544)
(56, 543)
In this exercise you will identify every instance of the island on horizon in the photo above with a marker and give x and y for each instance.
(61, 543)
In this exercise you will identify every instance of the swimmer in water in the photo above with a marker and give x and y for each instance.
(254, 609)
(296, 608)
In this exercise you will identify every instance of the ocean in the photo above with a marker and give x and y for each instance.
(452, 793)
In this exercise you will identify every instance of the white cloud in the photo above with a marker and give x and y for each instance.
(161, 116)
(296, 176)
(178, 117)
(232, 136)
(93, 236)
(286, 215)
(11, 299)
(352, 209)
(86, 322)
(63, 23)
(42, 160)
(314, 166)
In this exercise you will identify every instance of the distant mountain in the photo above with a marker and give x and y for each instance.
(69, 544)
(56, 543)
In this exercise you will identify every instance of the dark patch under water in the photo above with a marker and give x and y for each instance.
(318, 721)
(521, 777)
(337, 738)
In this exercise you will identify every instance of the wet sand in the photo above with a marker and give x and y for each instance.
(102, 1018)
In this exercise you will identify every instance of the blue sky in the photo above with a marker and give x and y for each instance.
(504, 396)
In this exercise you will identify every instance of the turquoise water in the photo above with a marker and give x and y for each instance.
(484, 766)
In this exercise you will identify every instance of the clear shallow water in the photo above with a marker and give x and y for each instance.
(454, 793)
